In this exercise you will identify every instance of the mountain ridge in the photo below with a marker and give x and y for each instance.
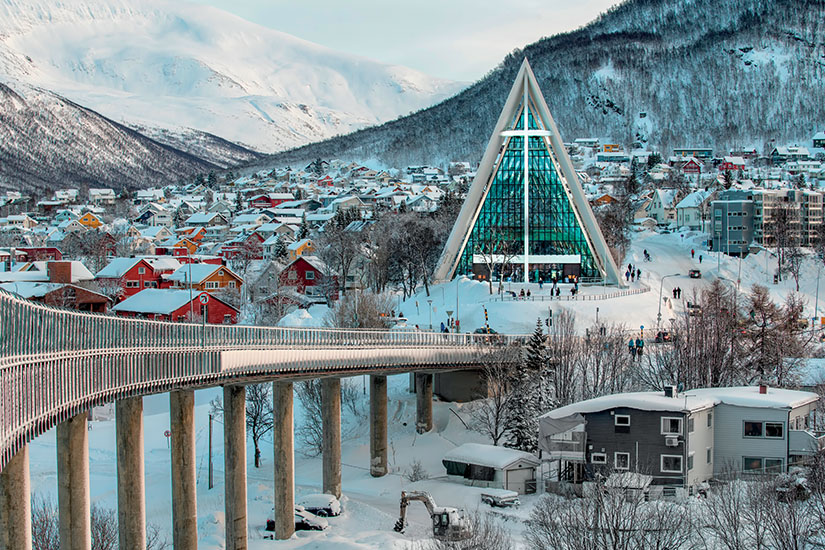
(685, 73)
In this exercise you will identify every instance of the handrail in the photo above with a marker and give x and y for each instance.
(55, 363)
(578, 297)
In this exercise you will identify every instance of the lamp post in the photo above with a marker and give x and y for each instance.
(430, 303)
(661, 284)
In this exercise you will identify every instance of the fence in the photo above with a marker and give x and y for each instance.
(576, 298)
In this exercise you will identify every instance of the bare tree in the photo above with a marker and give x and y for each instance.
(489, 415)
(310, 431)
(361, 310)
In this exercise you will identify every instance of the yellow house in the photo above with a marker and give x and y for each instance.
(90, 220)
(299, 248)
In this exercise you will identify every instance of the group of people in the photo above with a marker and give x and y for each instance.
(636, 347)
(693, 255)
(633, 273)
(522, 295)
(677, 292)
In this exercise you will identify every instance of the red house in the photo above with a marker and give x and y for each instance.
(308, 275)
(42, 253)
(692, 166)
(176, 305)
(270, 199)
(136, 274)
(732, 163)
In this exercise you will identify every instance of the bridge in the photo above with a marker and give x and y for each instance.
(56, 364)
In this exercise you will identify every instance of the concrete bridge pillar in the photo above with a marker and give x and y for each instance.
(282, 429)
(378, 425)
(131, 484)
(423, 402)
(184, 490)
(15, 503)
(73, 483)
(331, 417)
(234, 438)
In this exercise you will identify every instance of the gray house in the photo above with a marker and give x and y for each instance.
(732, 218)
(680, 440)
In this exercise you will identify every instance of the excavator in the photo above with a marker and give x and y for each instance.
(449, 524)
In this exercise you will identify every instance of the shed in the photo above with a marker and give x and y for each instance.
(491, 466)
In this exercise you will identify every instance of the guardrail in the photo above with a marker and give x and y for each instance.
(578, 297)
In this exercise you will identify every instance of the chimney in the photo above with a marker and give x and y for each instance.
(59, 272)
(763, 388)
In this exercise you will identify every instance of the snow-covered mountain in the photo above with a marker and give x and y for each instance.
(47, 141)
(183, 67)
(667, 73)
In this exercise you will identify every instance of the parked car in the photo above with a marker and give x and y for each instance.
(663, 336)
(500, 497)
(489, 335)
(693, 309)
(322, 505)
(695, 274)
(304, 521)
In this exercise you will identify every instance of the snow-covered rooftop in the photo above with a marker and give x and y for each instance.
(489, 455)
(692, 400)
(155, 300)
(194, 272)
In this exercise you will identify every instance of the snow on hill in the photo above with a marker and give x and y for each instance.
(182, 66)
(663, 73)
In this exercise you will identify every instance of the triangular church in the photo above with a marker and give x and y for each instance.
(536, 184)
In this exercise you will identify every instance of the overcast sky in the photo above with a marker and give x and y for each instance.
(452, 39)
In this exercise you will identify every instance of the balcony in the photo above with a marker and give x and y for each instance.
(568, 445)
(804, 442)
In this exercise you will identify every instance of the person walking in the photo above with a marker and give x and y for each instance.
(631, 347)
(640, 344)
(692, 253)
(674, 293)
(627, 275)
(638, 274)
(528, 293)
(558, 292)
(700, 258)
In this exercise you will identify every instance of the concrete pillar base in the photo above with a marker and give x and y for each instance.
(73, 484)
(283, 436)
(131, 484)
(331, 452)
(378, 426)
(234, 438)
(424, 402)
(15, 503)
(184, 489)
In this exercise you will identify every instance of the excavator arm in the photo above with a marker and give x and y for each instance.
(406, 498)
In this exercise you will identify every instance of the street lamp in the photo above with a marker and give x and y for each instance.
(661, 284)
(430, 302)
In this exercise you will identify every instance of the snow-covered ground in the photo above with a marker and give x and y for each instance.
(371, 505)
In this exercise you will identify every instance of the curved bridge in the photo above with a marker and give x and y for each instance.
(56, 364)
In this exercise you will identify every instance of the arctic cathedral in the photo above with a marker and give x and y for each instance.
(526, 213)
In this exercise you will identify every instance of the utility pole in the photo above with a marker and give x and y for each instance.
(211, 484)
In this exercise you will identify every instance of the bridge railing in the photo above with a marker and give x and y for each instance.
(55, 363)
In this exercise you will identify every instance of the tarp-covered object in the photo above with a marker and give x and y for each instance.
(549, 426)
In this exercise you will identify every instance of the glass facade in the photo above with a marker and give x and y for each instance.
(554, 228)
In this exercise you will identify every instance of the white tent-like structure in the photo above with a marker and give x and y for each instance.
(526, 211)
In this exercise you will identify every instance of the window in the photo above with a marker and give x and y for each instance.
(671, 464)
(292, 276)
(309, 275)
(671, 425)
(774, 429)
(621, 423)
(753, 429)
(709, 455)
(220, 273)
(773, 465)
(227, 319)
(211, 285)
(150, 284)
(231, 284)
(598, 458)
(690, 461)
(710, 419)
(622, 461)
(132, 284)
(141, 270)
(690, 425)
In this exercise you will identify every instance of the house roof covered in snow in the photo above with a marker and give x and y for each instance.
(489, 455)
(694, 200)
(157, 300)
(119, 266)
(692, 400)
(199, 272)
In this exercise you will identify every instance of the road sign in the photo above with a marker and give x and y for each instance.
(449, 313)
(203, 298)
(168, 433)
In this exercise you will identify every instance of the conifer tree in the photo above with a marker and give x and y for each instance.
(525, 406)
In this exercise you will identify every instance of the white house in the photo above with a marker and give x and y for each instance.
(662, 207)
(492, 466)
(693, 210)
